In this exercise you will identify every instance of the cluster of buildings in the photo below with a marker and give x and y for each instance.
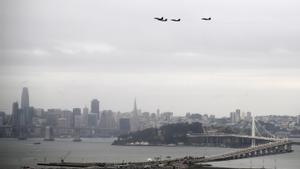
(238, 116)
(27, 121)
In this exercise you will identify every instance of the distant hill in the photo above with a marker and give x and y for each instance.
(165, 135)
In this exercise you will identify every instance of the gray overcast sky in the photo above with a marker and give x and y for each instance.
(70, 51)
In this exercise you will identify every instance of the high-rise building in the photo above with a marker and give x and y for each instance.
(92, 120)
(95, 107)
(68, 115)
(25, 98)
(85, 110)
(124, 124)
(77, 111)
(134, 118)
(15, 115)
(237, 115)
(232, 117)
(84, 119)
(26, 116)
(107, 120)
(135, 110)
(249, 116)
(157, 113)
(77, 121)
(76, 117)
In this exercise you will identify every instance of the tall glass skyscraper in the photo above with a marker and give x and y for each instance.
(26, 112)
(25, 99)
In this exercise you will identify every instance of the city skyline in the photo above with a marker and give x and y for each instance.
(245, 57)
(94, 108)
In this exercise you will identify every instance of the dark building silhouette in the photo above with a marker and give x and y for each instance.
(15, 115)
(19, 126)
(95, 107)
(124, 124)
(77, 111)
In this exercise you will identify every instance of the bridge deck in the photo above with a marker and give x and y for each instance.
(243, 152)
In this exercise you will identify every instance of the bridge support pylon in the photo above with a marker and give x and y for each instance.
(253, 132)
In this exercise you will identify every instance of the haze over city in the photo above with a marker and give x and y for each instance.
(70, 52)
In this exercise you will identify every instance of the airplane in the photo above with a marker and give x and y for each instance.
(161, 19)
(206, 19)
(176, 20)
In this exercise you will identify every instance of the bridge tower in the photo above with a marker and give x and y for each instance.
(253, 132)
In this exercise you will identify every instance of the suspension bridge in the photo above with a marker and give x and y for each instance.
(272, 145)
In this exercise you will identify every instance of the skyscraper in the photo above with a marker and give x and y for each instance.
(76, 117)
(25, 99)
(135, 110)
(237, 115)
(107, 120)
(26, 111)
(77, 111)
(124, 125)
(134, 119)
(95, 107)
(15, 119)
(85, 110)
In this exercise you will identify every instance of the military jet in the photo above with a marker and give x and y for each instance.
(176, 20)
(161, 19)
(206, 19)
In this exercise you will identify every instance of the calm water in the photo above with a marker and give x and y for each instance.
(15, 153)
